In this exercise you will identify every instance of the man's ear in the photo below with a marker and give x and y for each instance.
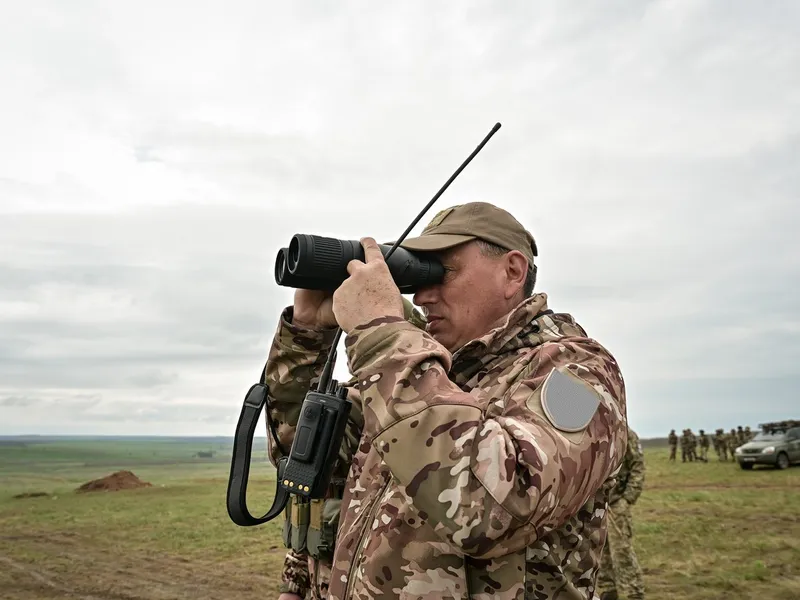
(516, 266)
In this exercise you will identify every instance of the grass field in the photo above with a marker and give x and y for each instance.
(703, 531)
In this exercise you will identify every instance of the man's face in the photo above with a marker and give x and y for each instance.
(476, 291)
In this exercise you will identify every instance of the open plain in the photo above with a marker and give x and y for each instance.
(702, 531)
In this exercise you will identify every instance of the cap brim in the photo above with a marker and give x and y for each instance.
(434, 242)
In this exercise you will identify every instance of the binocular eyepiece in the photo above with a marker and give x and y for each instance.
(314, 262)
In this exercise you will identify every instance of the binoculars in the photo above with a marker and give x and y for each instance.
(314, 262)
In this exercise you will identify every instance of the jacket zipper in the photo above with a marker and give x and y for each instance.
(360, 547)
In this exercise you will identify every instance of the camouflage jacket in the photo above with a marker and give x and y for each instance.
(672, 439)
(460, 485)
(296, 359)
(630, 481)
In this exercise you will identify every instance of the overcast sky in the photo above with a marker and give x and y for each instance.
(155, 156)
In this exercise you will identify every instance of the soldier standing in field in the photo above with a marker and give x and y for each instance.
(673, 445)
(703, 446)
(692, 445)
(715, 442)
(481, 449)
(728, 444)
(620, 573)
(733, 442)
(721, 444)
(689, 442)
(684, 445)
(727, 450)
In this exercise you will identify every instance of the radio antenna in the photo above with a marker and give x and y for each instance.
(327, 371)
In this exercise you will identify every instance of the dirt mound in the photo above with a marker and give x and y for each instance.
(121, 480)
(31, 495)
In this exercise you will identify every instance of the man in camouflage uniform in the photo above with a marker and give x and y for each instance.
(673, 444)
(733, 442)
(721, 444)
(483, 448)
(692, 445)
(703, 439)
(620, 571)
(715, 442)
(741, 438)
(686, 446)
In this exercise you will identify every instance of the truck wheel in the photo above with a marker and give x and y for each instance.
(783, 461)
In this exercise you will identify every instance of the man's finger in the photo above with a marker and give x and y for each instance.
(372, 252)
(353, 265)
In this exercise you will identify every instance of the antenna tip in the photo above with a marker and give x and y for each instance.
(496, 127)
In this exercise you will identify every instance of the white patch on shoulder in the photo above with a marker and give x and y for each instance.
(569, 403)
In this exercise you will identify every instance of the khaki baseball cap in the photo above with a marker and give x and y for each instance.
(475, 220)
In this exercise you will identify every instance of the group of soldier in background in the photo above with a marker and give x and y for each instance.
(724, 443)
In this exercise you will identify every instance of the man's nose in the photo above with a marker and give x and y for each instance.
(425, 295)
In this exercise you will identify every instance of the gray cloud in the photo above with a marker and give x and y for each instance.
(145, 188)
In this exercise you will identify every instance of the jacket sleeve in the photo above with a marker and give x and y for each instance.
(495, 472)
(295, 574)
(296, 359)
(635, 482)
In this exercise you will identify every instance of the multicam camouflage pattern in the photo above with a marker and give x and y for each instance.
(688, 446)
(295, 364)
(673, 444)
(620, 571)
(460, 487)
(733, 440)
(721, 444)
(630, 480)
(296, 359)
(703, 441)
(685, 447)
(295, 576)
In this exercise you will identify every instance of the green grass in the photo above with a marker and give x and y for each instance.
(702, 531)
(715, 531)
(171, 540)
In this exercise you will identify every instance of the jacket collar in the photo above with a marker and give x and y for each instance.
(530, 324)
